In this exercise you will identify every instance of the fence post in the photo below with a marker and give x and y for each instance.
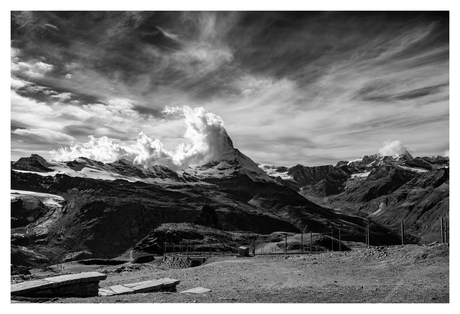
(446, 230)
(402, 233)
(311, 240)
(285, 244)
(254, 249)
(340, 243)
(367, 235)
(442, 230)
(301, 236)
(332, 239)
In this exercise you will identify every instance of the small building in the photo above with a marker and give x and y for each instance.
(243, 251)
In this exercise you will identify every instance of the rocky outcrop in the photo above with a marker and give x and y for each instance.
(26, 209)
(34, 163)
(309, 175)
(381, 181)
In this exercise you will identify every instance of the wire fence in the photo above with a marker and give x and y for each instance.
(188, 248)
(306, 242)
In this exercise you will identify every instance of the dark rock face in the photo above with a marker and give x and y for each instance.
(33, 163)
(333, 183)
(26, 257)
(25, 210)
(309, 175)
(381, 181)
(419, 163)
(419, 203)
(208, 217)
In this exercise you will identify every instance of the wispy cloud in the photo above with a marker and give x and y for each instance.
(292, 87)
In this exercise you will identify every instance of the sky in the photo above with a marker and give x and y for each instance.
(301, 87)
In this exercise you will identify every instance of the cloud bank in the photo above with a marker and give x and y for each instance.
(205, 133)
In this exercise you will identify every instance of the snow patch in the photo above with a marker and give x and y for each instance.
(360, 175)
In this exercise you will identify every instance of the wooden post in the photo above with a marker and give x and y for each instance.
(340, 243)
(442, 230)
(285, 244)
(332, 239)
(367, 235)
(402, 233)
(301, 236)
(446, 230)
(311, 240)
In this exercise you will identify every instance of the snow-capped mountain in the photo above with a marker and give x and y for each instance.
(231, 163)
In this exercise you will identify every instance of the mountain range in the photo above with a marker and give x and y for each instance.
(86, 207)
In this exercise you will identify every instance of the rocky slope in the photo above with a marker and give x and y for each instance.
(108, 207)
(383, 189)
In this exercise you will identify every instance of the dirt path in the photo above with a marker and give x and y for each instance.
(391, 274)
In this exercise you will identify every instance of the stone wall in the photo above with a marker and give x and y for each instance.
(176, 261)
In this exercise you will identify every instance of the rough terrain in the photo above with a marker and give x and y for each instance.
(390, 274)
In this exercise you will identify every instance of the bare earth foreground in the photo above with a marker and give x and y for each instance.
(392, 274)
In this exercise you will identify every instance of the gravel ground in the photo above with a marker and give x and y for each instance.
(395, 274)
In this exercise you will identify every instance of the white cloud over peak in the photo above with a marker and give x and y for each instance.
(392, 148)
(205, 132)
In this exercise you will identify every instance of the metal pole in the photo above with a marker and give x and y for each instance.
(442, 230)
(285, 244)
(340, 243)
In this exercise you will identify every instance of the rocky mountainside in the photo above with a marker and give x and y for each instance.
(103, 209)
(384, 189)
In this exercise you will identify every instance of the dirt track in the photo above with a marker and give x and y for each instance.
(378, 275)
